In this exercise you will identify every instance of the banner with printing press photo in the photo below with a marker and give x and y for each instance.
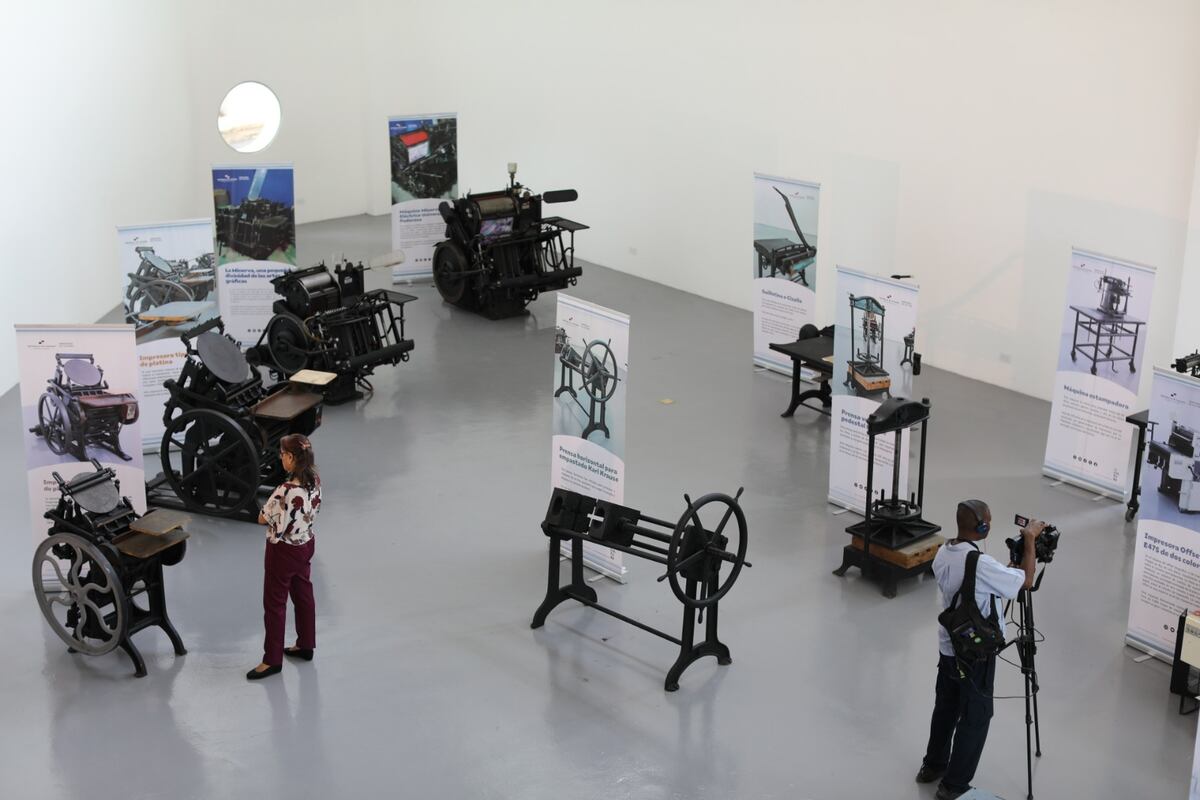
(79, 390)
(784, 264)
(424, 172)
(1101, 345)
(1166, 555)
(874, 335)
(254, 241)
(168, 279)
(591, 380)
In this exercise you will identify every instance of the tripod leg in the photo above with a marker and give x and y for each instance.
(1033, 680)
(1028, 744)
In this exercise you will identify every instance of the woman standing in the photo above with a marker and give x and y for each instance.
(289, 514)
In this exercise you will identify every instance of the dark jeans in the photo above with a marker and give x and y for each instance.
(962, 713)
(287, 569)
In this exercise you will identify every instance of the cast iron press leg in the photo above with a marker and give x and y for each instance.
(158, 607)
(555, 593)
(689, 652)
(791, 409)
(139, 665)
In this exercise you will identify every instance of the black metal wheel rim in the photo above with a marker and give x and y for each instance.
(84, 603)
(210, 462)
(712, 551)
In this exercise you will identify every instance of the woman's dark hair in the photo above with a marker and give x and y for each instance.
(304, 465)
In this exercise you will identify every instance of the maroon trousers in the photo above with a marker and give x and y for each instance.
(286, 571)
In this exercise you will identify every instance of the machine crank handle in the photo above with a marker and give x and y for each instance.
(726, 556)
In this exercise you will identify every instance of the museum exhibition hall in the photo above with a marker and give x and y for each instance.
(601, 400)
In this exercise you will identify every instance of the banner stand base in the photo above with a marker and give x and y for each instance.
(1059, 479)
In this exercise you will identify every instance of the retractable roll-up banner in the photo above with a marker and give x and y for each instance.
(254, 209)
(168, 280)
(876, 328)
(1100, 349)
(79, 387)
(1166, 555)
(424, 156)
(591, 381)
(784, 264)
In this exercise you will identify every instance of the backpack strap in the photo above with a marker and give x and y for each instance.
(968, 586)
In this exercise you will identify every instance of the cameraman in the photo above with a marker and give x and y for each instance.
(962, 710)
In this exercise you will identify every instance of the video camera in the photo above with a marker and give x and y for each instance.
(1043, 546)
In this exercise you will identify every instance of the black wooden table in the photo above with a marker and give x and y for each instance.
(816, 353)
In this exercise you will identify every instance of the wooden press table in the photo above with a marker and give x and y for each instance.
(890, 566)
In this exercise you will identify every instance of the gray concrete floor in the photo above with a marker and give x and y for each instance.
(428, 681)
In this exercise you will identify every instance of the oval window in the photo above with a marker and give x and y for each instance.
(249, 117)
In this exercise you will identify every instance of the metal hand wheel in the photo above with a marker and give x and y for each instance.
(694, 543)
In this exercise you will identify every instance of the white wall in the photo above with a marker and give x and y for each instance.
(310, 52)
(1187, 327)
(95, 135)
(969, 143)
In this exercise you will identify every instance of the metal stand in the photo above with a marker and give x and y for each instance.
(1141, 421)
(693, 551)
(1026, 644)
(823, 392)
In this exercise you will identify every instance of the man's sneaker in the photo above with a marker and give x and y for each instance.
(928, 774)
(944, 792)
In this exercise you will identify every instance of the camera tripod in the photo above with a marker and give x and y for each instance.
(1026, 644)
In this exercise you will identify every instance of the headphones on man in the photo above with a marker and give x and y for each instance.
(977, 509)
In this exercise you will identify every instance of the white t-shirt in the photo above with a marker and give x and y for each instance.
(991, 579)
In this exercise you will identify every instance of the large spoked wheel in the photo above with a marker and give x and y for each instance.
(699, 549)
(289, 344)
(449, 264)
(598, 369)
(84, 603)
(55, 423)
(210, 462)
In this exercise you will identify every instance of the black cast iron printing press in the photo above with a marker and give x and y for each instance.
(694, 552)
(102, 555)
(223, 426)
(783, 256)
(596, 367)
(77, 410)
(1109, 333)
(891, 525)
(327, 321)
(500, 253)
